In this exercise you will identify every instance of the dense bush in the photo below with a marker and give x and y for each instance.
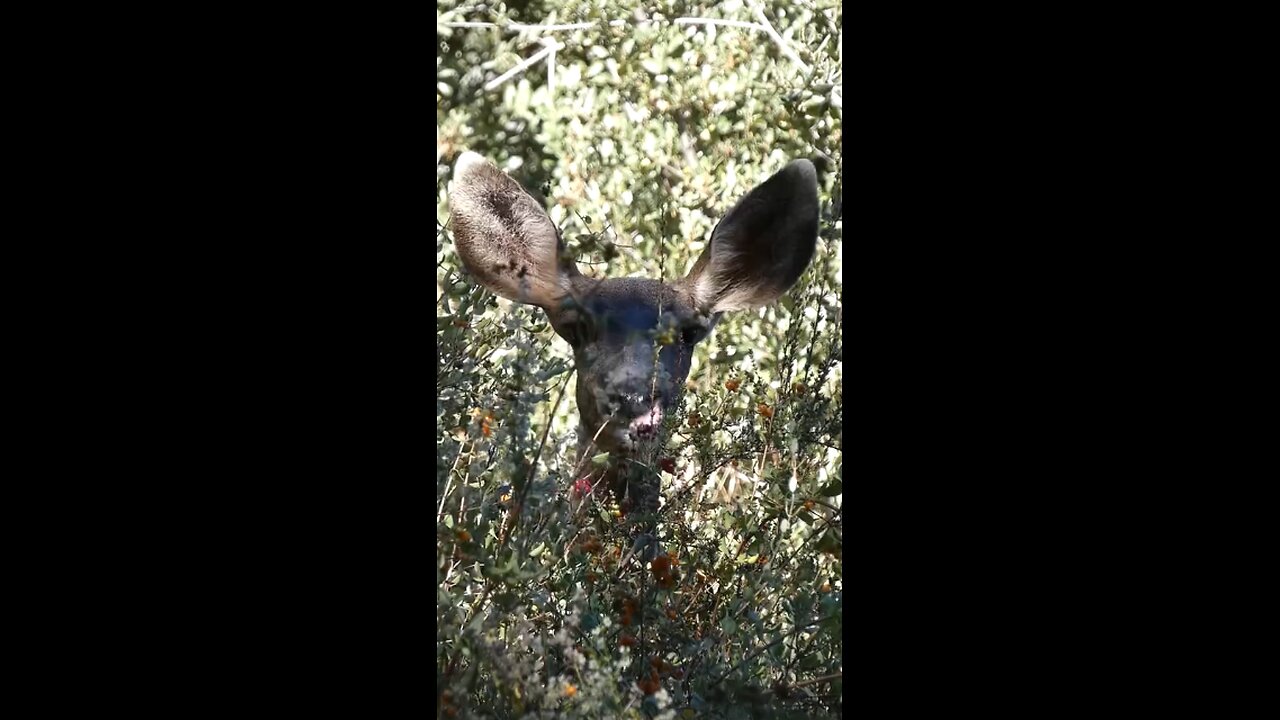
(640, 138)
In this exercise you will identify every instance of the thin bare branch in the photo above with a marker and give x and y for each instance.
(784, 636)
(718, 21)
(551, 71)
(544, 52)
(514, 518)
(521, 27)
(764, 25)
(824, 678)
(783, 45)
(552, 28)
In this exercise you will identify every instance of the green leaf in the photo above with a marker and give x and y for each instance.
(524, 91)
(556, 368)
(728, 625)
(833, 488)
(520, 577)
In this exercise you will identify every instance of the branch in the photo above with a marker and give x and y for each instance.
(824, 678)
(784, 636)
(552, 28)
(514, 518)
(550, 48)
(716, 21)
(551, 70)
(520, 27)
(763, 25)
(782, 43)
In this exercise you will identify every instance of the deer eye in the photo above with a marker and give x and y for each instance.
(692, 334)
(576, 328)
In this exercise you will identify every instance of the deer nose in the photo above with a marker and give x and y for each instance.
(647, 424)
(625, 403)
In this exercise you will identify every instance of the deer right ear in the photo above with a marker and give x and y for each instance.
(762, 245)
(503, 235)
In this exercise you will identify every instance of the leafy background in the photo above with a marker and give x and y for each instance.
(640, 129)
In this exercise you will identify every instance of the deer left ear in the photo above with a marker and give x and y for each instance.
(504, 237)
(762, 245)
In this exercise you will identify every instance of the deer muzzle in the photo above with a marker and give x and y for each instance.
(647, 424)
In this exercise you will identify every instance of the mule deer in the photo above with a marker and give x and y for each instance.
(632, 338)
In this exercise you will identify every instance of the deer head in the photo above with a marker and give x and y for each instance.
(632, 338)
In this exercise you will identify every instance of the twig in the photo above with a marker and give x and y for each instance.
(551, 71)
(782, 43)
(533, 470)
(552, 28)
(824, 678)
(449, 479)
(784, 636)
(550, 48)
(825, 504)
(717, 21)
(520, 27)
(763, 25)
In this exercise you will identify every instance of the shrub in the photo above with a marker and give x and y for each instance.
(550, 605)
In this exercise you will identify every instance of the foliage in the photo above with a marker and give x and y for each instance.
(643, 135)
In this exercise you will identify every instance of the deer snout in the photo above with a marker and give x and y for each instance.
(646, 425)
(641, 414)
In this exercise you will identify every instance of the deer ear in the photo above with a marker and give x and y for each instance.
(762, 245)
(503, 235)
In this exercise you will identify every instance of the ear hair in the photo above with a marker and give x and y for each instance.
(503, 235)
(762, 245)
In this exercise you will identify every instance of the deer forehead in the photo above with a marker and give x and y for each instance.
(634, 302)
